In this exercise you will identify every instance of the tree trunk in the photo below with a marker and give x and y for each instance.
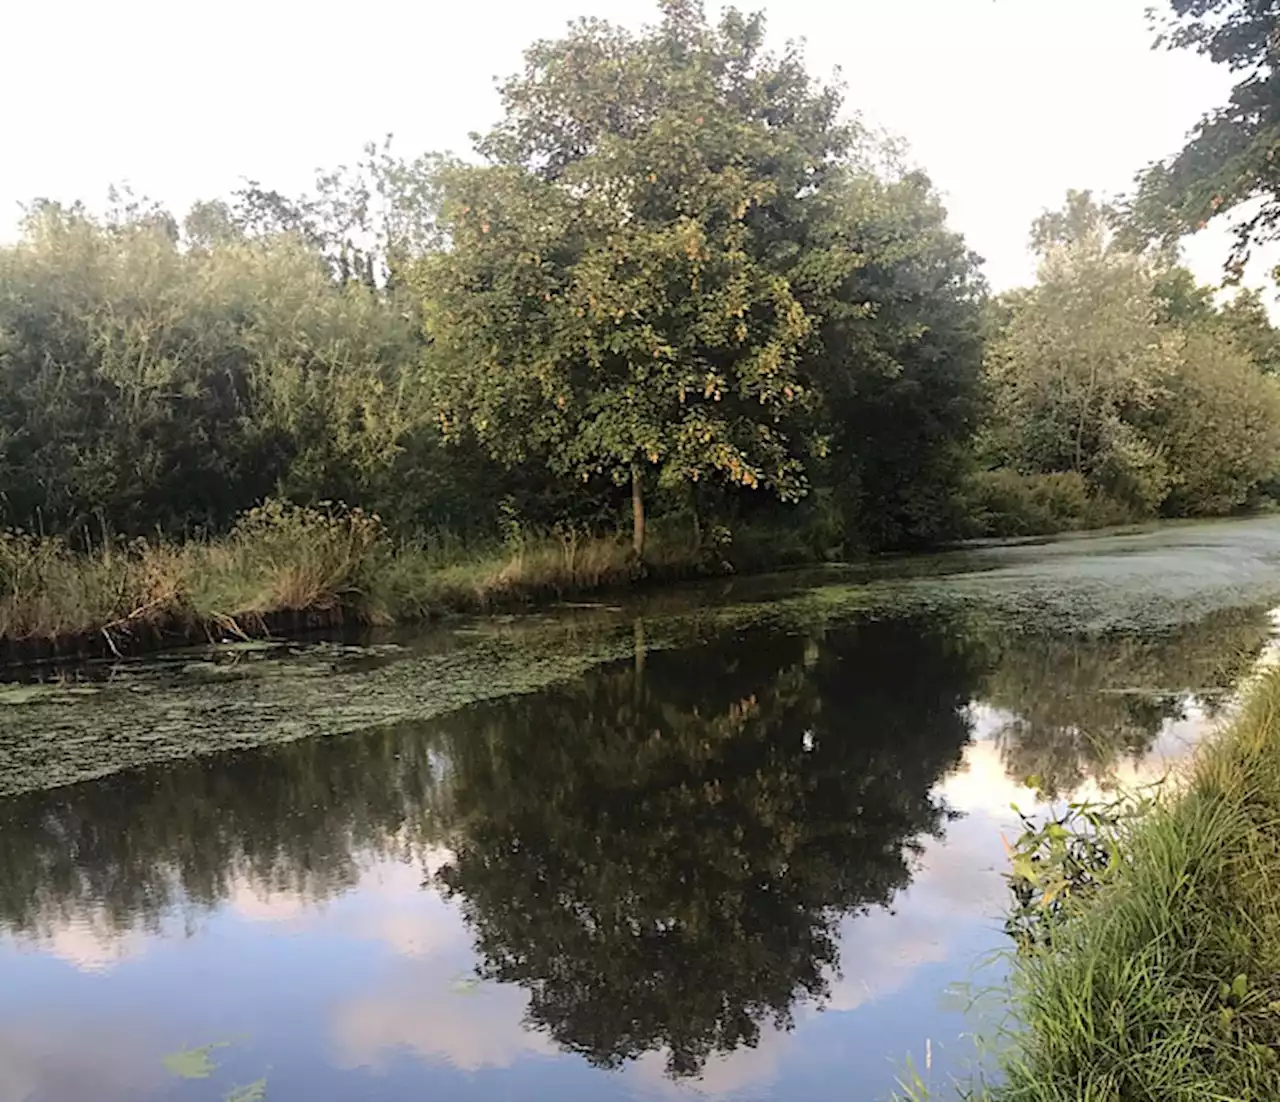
(1084, 416)
(637, 510)
(640, 648)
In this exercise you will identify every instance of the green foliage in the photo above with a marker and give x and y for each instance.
(1218, 425)
(1230, 160)
(1161, 982)
(1245, 319)
(601, 306)
(1118, 369)
(1003, 502)
(1074, 355)
(157, 386)
(675, 269)
(896, 363)
(1056, 862)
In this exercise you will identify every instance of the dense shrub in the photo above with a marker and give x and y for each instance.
(1005, 503)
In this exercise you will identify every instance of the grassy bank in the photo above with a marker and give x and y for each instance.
(286, 568)
(1164, 983)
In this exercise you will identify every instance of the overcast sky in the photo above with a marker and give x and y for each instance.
(1006, 103)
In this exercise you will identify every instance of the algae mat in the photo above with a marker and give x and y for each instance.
(183, 705)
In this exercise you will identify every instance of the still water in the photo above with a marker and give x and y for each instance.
(739, 841)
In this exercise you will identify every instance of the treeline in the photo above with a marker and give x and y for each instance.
(674, 285)
(1119, 389)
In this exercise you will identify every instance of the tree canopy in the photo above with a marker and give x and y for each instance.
(674, 268)
(677, 283)
(1116, 369)
(1231, 161)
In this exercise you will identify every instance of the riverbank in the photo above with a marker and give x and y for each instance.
(1166, 982)
(285, 570)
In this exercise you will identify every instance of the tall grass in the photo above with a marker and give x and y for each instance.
(47, 591)
(331, 561)
(1165, 984)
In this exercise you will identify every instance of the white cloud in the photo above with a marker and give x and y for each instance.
(89, 941)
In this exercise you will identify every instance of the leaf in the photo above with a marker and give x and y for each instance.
(1024, 869)
(1240, 986)
(250, 1092)
(193, 1063)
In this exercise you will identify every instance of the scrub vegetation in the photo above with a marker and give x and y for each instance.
(1149, 941)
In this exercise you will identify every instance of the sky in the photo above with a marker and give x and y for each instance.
(1005, 103)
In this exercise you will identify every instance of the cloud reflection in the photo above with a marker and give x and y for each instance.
(59, 1062)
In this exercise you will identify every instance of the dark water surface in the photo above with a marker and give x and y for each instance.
(741, 841)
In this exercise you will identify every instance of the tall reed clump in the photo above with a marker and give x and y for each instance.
(288, 558)
(47, 590)
(1164, 983)
(278, 557)
(530, 566)
(328, 563)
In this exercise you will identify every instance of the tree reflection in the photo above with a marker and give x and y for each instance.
(661, 852)
(132, 847)
(1078, 706)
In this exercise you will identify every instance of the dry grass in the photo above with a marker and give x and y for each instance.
(527, 568)
(277, 558)
(283, 558)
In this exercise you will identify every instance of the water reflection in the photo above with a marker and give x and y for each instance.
(661, 854)
(1073, 708)
(120, 854)
(666, 862)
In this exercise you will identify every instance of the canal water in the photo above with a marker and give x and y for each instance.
(741, 840)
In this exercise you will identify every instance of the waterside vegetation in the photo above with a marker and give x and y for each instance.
(1149, 941)
(1152, 970)
(286, 569)
(681, 311)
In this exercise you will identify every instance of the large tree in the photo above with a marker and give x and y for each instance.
(1118, 368)
(1074, 356)
(895, 359)
(1231, 161)
(602, 307)
(678, 267)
